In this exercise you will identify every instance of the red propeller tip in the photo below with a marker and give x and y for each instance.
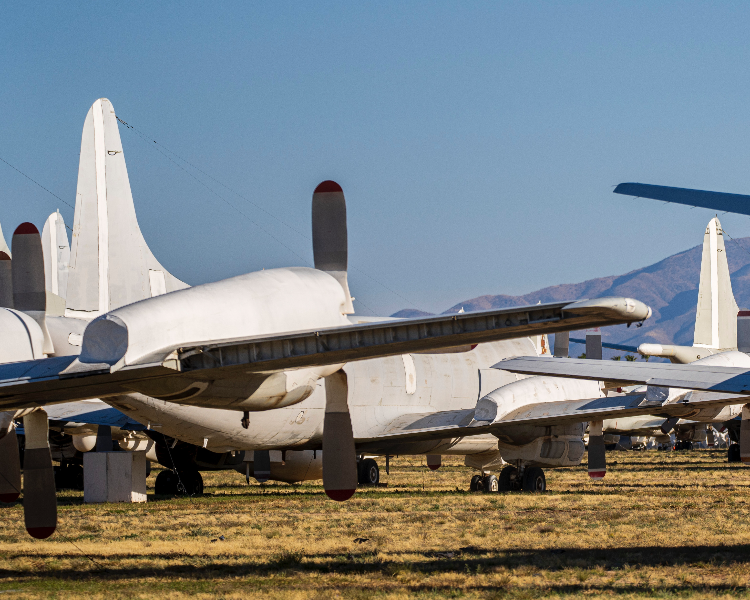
(328, 186)
(40, 533)
(340, 495)
(434, 467)
(597, 474)
(26, 228)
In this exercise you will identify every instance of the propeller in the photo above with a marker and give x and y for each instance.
(562, 343)
(434, 461)
(261, 465)
(6, 281)
(104, 438)
(745, 435)
(330, 242)
(29, 293)
(39, 495)
(710, 437)
(339, 454)
(594, 345)
(597, 452)
(10, 465)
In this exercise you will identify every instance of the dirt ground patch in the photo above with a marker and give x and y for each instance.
(660, 525)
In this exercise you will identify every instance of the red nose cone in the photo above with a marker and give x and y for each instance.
(40, 533)
(26, 228)
(340, 495)
(328, 186)
(4, 256)
(7, 498)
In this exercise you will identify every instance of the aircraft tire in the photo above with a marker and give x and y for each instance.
(733, 453)
(476, 483)
(368, 472)
(508, 479)
(166, 483)
(489, 484)
(534, 480)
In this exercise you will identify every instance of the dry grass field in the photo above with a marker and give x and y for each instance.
(661, 525)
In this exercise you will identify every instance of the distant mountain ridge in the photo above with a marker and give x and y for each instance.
(669, 287)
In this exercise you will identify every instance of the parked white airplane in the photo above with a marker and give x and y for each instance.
(278, 343)
(715, 333)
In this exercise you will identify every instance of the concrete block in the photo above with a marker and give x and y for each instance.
(114, 477)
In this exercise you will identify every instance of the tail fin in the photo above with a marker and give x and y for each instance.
(716, 317)
(56, 259)
(110, 263)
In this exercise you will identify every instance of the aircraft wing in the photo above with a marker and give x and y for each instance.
(64, 379)
(461, 423)
(731, 380)
(734, 203)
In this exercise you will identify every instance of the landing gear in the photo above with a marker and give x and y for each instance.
(187, 484)
(509, 480)
(534, 480)
(245, 422)
(490, 484)
(368, 472)
(476, 484)
(733, 453)
(70, 477)
(683, 445)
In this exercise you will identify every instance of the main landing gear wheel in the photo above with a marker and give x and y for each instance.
(477, 483)
(187, 484)
(368, 472)
(490, 484)
(733, 453)
(508, 480)
(534, 480)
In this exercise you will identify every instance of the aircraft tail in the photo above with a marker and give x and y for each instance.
(716, 317)
(110, 263)
(56, 258)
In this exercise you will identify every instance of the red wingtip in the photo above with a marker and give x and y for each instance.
(328, 186)
(26, 228)
(340, 495)
(40, 533)
(8, 498)
(4, 256)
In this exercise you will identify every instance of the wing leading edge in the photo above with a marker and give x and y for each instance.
(53, 380)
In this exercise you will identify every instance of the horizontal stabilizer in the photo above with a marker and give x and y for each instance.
(732, 380)
(720, 201)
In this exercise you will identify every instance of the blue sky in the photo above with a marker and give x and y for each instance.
(477, 143)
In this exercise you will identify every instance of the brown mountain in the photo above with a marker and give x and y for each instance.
(670, 287)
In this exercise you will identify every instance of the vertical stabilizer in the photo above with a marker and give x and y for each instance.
(716, 316)
(56, 251)
(110, 263)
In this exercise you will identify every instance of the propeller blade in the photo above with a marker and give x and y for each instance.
(39, 494)
(434, 461)
(594, 345)
(6, 281)
(29, 292)
(330, 242)
(10, 467)
(261, 465)
(710, 437)
(339, 454)
(597, 451)
(562, 343)
(669, 424)
(745, 435)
